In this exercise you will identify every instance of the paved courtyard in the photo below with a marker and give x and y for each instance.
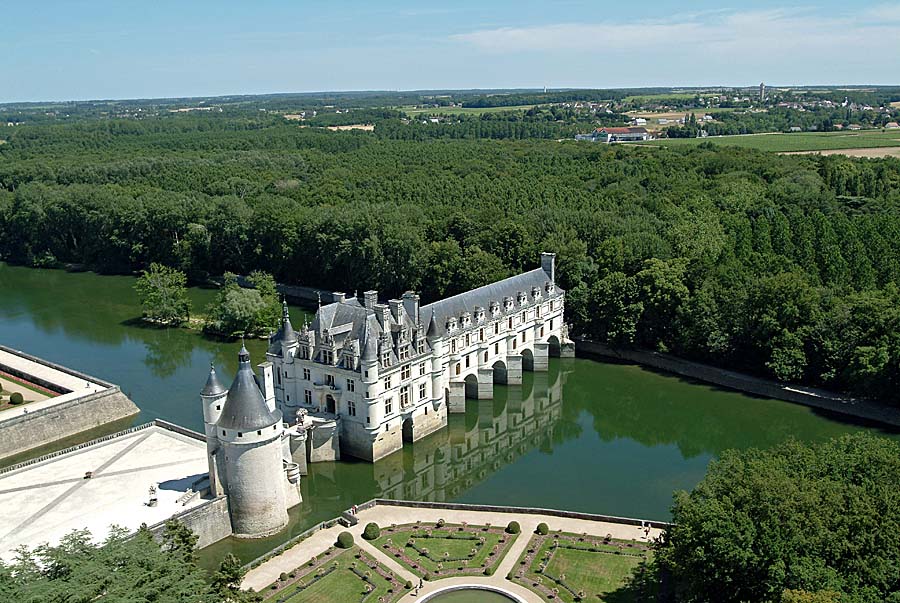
(45, 501)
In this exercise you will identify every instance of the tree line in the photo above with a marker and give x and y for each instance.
(783, 266)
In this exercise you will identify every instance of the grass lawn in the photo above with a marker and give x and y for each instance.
(447, 551)
(799, 141)
(339, 577)
(591, 565)
(599, 573)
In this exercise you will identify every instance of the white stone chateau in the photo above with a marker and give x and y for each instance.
(365, 377)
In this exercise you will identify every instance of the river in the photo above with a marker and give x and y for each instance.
(587, 436)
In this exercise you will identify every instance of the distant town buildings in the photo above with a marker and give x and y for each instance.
(610, 135)
(762, 92)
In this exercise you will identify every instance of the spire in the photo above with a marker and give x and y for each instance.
(245, 409)
(213, 386)
(285, 333)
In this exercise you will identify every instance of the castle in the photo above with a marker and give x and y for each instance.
(246, 444)
(365, 377)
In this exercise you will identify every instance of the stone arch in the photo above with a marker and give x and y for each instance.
(408, 429)
(527, 359)
(499, 372)
(330, 404)
(555, 346)
(471, 386)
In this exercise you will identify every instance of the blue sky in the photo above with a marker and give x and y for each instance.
(76, 49)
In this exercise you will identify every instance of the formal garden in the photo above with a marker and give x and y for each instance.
(339, 574)
(561, 566)
(440, 550)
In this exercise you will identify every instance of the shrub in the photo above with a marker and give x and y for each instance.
(372, 531)
(488, 571)
(408, 584)
(513, 527)
(440, 523)
(542, 529)
(282, 576)
(16, 398)
(345, 540)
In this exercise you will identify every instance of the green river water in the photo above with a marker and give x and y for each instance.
(587, 436)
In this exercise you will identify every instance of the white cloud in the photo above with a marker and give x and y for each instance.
(759, 33)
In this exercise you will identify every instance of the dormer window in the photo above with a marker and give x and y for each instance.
(451, 324)
(495, 308)
(521, 298)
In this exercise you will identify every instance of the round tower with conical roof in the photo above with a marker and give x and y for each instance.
(249, 436)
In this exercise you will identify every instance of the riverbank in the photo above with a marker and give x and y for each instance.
(798, 394)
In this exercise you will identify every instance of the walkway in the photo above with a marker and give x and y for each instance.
(385, 515)
(77, 386)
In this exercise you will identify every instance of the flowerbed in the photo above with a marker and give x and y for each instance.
(350, 575)
(572, 567)
(434, 551)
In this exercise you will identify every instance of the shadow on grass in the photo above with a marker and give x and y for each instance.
(645, 585)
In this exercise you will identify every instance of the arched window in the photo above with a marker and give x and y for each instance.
(457, 368)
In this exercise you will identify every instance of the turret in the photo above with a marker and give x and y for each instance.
(212, 396)
(250, 435)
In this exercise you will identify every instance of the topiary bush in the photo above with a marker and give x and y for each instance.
(542, 529)
(513, 527)
(408, 585)
(488, 571)
(16, 398)
(345, 540)
(372, 531)
(282, 576)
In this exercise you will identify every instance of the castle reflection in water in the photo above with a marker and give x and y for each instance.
(443, 466)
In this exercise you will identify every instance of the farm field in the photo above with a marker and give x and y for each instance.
(802, 141)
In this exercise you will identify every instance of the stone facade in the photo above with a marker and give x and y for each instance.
(378, 375)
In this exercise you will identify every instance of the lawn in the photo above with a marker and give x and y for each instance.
(450, 550)
(349, 576)
(570, 567)
(799, 141)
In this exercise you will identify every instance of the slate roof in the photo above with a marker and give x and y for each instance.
(213, 386)
(483, 296)
(285, 333)
(245, 409)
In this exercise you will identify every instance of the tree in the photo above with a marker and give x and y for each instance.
(236, 311)
(797, 517)
(226, 582)
(163, 295)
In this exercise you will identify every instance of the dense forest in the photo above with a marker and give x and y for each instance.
(785, 266)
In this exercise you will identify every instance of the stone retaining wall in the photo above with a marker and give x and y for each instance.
(520, 511)
(817, 398)
(67, 418)
(209, 521)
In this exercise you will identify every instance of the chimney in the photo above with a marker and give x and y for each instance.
(548, 263)
(383, 314)
(395, 305)
(370, 298)
(411, 303)
(338, 297)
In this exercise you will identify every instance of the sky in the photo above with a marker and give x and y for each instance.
(101, 49)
